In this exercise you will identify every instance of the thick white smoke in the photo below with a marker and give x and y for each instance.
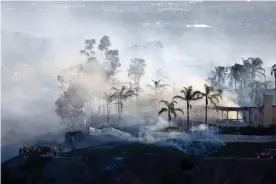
(40, 39)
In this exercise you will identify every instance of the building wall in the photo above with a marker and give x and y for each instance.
(266, 114)
(274, 115)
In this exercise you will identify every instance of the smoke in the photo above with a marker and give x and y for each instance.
(39, 39)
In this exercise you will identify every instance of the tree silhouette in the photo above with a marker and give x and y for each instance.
(255, 92)
(88, 50)
(74, 138)
(256, 68)
(121, 95)
(104, 45)
(108, 100)
(136, 71)
(273, 73)
(157, 86)
(211, 96)
(112, 62)
(220, 74)
(170, 109)
(235, 74)
(189, 95)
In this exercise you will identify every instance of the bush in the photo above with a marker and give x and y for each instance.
(173, 128)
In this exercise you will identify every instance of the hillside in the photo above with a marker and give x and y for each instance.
(138, 163)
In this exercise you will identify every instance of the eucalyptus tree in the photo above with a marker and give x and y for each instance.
(135, 72)
(69, 106)
(170, 109)
(188, 95)
(104, 45)
(88, 50)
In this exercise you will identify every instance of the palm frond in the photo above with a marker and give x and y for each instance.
(165, 102)
(180, 110)
(174, 102)
(162, 110)
(179, 97)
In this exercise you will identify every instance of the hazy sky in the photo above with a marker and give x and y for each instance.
(50, 35)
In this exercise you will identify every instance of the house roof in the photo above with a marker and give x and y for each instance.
(222, 108)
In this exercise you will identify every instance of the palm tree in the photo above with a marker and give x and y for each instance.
(219, 74)
(256, 86)
(189, 95)
(135, 87)
(121, 95)
(170, 109)
(273, 72)
(108, 100)
(235, 74)
(157, 86)
(256, 68)
(210, 95)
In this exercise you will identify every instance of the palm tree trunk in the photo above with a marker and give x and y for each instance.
(219, 81)
(188, 117)
(275, 80)
(118, 108)
(121, 111)
(107, 112)
(235, 84)
(206, 104)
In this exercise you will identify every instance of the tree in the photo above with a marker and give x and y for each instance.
(68, 109)
(211, 96)
(73, 138)
(256, 68)
(88, 50)
(157, 86)
(108, 100)
(121, 95)
(254, 92)
(189, 95)
(170, 108)
(136, 71)
(220, 74)
(104, 43)
(70, 104)
(112, 62)
(273, 73)
(235, 74)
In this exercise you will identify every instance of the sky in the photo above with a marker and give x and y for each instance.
(41, 38)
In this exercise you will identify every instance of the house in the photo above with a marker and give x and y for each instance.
(263, 116)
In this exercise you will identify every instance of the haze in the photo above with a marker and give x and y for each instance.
(39, 39)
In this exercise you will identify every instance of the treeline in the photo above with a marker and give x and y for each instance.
(247, 79)
(78, 91)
